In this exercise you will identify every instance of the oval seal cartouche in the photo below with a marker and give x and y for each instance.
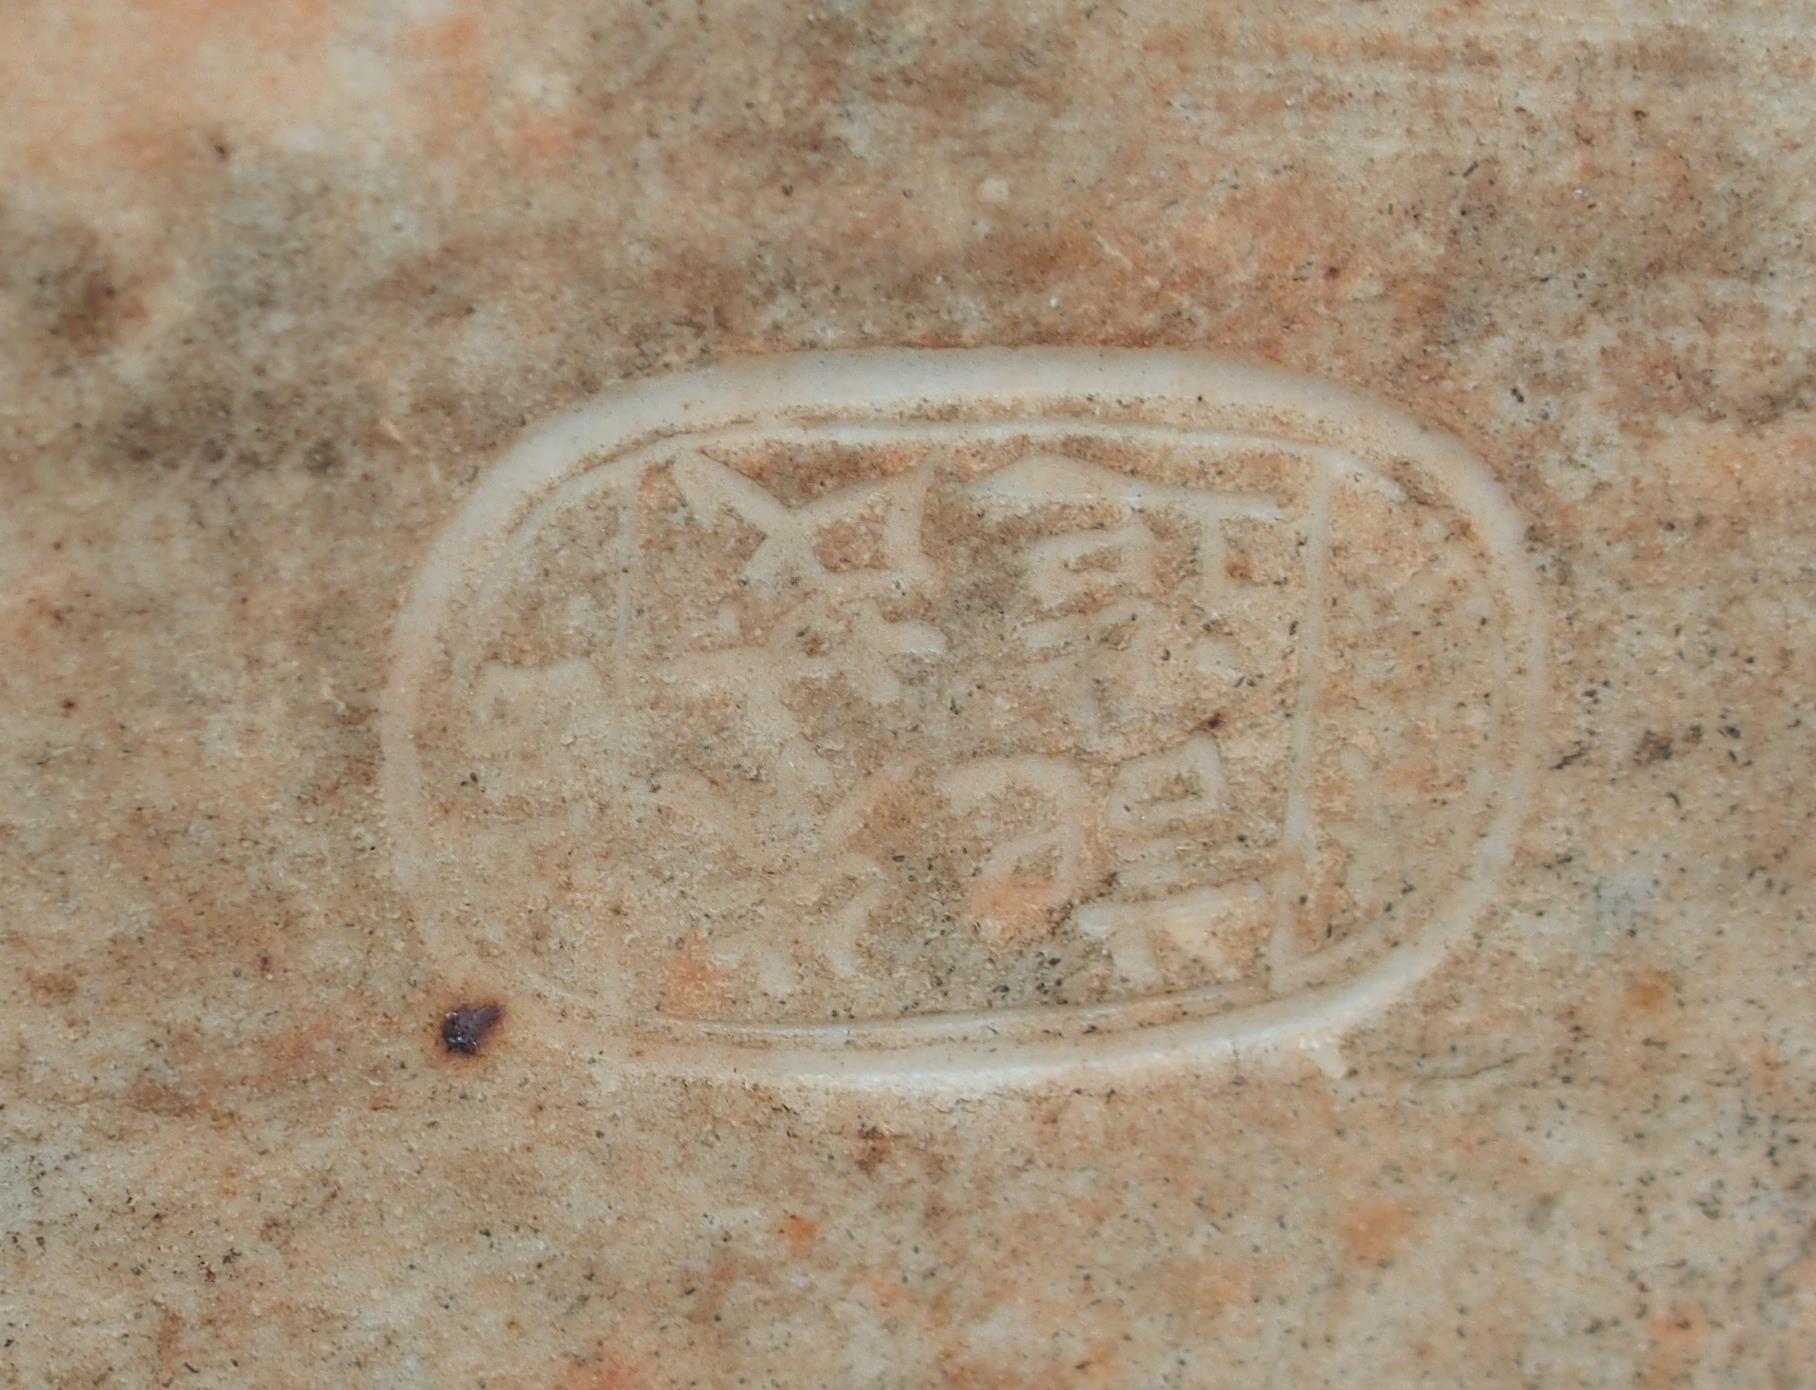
(962, 714)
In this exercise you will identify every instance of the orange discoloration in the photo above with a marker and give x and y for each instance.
(1649, 989)
(169, 1345)
(451, 81)
(693, 987)
(1221, 1285)
(611, 1376)
(883, 1287)
(447, 38)
(549, 137)
(800, 1232)
(52, 987)
(722, 1276)
(1676, 1339)
(177, 68)
(1374, 1231)
(292, 1058)
(1767, 1068)
(1011, 908)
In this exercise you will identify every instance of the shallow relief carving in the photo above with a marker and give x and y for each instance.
(912, 714)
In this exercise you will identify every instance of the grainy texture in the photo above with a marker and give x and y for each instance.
(277, 281)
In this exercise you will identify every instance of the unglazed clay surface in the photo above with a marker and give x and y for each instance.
(892, 695)
(943, 714)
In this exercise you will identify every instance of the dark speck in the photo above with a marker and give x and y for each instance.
(465, 1028)
(323, 457)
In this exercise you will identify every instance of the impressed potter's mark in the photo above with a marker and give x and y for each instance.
(914, 713)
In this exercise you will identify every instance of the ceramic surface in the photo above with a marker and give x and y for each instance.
(906, 695)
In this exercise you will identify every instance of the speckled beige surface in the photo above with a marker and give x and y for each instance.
(285, 288)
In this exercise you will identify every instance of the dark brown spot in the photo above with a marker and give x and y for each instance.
(1653, 748)
(465, 1028)
(323, 457)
